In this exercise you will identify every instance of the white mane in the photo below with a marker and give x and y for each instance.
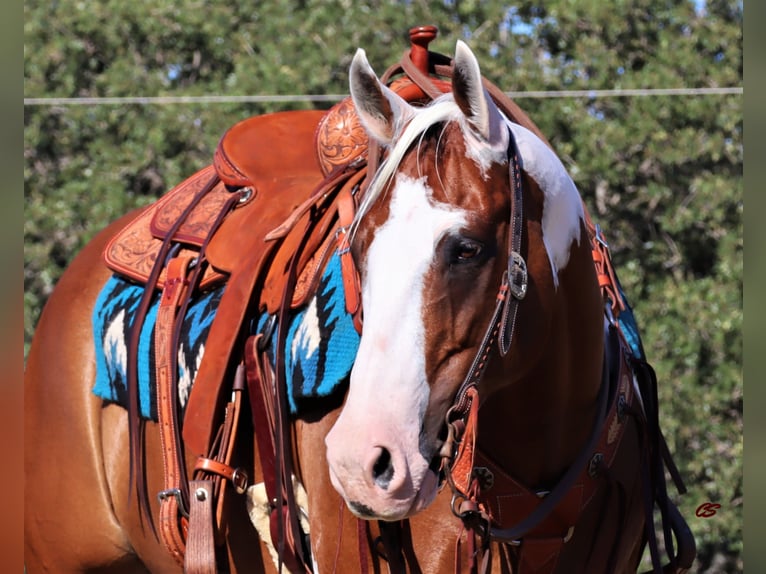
(562, 210)
(441, 110)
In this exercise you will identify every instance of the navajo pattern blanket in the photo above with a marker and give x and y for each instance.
(320, 350)
(113, 318)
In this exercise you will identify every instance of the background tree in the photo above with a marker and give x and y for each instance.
(662, 174)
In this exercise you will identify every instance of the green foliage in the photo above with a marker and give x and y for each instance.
(662, 174)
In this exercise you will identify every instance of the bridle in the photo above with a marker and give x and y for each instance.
(457, 452)
(513, 288)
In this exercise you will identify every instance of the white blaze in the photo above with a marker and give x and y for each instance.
(389, 376)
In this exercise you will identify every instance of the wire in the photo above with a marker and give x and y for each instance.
(317, 98)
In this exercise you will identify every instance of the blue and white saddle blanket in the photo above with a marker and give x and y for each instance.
(320, 351)
(627, 323)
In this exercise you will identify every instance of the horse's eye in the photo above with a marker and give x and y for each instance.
(463, 250)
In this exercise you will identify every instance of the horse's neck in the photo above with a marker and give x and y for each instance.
(537, 424)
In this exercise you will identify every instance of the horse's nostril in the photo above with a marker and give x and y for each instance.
(383, 470)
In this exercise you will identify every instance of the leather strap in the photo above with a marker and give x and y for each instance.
(289, 529)
(351, 283)
(512, 289)
(217, 470)
(340, 218)
(261, 384)
(236, 476)
(135, 422)
(200, 545)
(419, 77)
(516, 273)
(175, 287)
(333, 180)
(174, 302)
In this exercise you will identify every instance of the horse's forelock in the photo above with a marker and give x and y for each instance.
(441, 110)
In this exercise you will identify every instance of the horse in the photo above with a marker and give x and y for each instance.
(494, 419)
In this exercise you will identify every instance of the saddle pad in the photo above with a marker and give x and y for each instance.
(321, 343)
(113, 317)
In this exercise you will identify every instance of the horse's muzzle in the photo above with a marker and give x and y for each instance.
(379, 482)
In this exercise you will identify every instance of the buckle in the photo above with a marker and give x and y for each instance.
(517, 275)
(599, 237)
(267, 332)
(239, 480)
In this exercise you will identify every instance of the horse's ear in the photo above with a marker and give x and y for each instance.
(380, 110)
(471, 97)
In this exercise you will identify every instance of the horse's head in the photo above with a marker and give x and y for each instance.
(431, 245)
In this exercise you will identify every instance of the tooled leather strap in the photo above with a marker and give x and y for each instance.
(174, 301)
(175, 287)
(135, 422)
(351, 287)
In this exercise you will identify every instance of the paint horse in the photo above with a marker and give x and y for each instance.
(496, 417)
